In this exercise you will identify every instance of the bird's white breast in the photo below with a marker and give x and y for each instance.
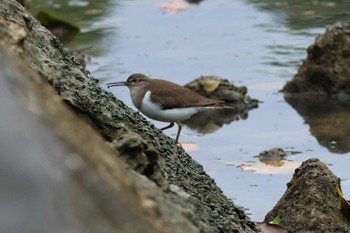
(154, 111)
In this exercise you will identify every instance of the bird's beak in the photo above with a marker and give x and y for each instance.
(116, 84)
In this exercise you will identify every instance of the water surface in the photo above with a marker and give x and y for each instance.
(258, 44)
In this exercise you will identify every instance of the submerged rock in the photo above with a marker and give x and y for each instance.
(311, 203)
(272, 154)
(320, 90)
(215, 87)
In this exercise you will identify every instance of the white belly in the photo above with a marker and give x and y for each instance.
(168, 115)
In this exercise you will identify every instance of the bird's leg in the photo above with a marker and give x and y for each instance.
(168, 127)
(178, 132)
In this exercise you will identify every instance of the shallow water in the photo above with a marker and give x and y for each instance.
(252, 43)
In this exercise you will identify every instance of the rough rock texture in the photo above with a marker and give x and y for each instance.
(320, 90)
(326, 69)
(311, 203)
(179, 184)
(215, 87)
(58, 174)
(272, 154)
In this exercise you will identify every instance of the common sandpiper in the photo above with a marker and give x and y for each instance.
(165, 101)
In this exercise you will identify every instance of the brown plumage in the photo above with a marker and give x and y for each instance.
(167, 96)
(177, 96)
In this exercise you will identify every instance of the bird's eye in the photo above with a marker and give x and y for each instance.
(134, 80)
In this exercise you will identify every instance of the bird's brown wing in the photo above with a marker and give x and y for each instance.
(176, 96)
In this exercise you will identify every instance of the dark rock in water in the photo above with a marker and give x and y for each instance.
(320, 90)
(326, 68)
(272, 154)
(215, 87)
(311, 203)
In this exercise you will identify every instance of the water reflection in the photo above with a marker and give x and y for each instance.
(175, 7)
(306, 14)
(328, 118)
(210, 121)
(273, 161)
(271, 167)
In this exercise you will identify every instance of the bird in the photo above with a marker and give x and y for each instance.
(165, 101)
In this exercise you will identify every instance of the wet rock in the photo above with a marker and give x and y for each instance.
(311, 203)
(326, 68)
(162, 210)
(320, 90)
(215, 87)
(272, 154)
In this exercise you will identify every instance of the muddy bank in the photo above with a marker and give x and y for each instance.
(174, 192)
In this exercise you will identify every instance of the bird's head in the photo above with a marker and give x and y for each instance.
(134, 81)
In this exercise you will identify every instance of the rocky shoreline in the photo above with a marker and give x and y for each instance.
(166, 168)
(107, 167)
